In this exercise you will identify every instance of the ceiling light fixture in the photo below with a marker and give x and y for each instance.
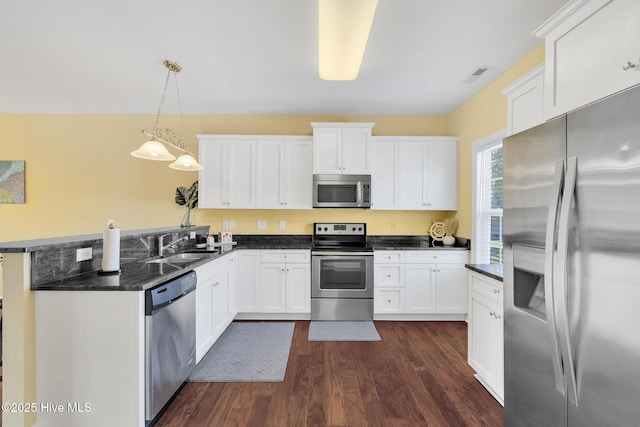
(343, 30)
(154, 149)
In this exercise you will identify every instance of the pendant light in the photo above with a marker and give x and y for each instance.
(155, 149)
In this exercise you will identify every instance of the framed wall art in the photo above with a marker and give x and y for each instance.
(12, 181)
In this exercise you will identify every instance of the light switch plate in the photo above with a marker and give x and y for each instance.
(225, 224)
(283, 224)
(262, 224)
(232, 224)
(84, 254)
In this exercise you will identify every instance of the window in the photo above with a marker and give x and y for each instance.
(487, 200)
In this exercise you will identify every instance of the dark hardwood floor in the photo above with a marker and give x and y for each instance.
(416, 376)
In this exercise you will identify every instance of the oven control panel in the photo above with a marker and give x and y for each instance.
(344, 229)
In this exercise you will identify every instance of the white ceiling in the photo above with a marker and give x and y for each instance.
(252, 56)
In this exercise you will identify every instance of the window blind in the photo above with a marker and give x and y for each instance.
(487, 234)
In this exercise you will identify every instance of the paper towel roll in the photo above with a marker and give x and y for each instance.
(111, 248)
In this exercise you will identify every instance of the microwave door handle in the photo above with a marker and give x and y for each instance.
(359, 193)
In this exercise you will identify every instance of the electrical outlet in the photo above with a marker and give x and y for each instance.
(283, 224)
(84, 254)
(232, 224)
(225, 224)
(262, 224)
(192, 235)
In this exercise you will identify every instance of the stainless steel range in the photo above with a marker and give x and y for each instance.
(341, 272)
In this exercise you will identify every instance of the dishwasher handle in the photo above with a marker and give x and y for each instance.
(166, 293)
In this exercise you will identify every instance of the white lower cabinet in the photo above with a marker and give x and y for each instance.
(272, 288)
(216, 301)
(274, 283)
(422, 284)
(486, 333)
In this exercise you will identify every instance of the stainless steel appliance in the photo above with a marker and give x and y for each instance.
(572, 257)
(341, 191)
(341, 272)
(170, 341)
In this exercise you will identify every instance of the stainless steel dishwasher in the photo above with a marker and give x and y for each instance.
(170, 341)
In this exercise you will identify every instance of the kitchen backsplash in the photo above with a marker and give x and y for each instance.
(59, 261)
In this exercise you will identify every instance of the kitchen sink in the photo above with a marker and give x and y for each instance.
(177, 259)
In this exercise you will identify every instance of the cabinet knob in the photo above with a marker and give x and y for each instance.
(628, 65)
(492, 314)
(388, 276)
(282, 268)
(496, 291)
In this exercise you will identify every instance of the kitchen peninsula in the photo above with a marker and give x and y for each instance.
(103, 316)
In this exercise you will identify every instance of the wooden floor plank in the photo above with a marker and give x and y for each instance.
(416, 376)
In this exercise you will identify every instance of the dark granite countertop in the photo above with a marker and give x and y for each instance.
(134, 276)
(273, 241)
(414, 243)
(493, 271)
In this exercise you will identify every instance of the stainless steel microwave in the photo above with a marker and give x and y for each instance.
(341, 191)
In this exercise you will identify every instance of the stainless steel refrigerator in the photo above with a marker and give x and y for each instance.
(572, 268)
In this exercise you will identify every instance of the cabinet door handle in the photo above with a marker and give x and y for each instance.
(496, 291)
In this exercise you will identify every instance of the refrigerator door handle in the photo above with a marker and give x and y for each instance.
(560, 279)
(550, 241)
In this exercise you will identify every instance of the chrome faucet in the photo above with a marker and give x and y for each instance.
(161, 247)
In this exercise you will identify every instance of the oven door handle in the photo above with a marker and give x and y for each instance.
(337, 253)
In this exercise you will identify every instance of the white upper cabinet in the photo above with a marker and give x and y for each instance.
(592, 51)
(341, 148)
(414, 173)
(441, 178)
(228, 177)
(283, 176)
(525, 101)
(383, 175)
(255, 171)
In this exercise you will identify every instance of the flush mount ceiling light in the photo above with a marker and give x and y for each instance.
(343, 30)
(154, 149)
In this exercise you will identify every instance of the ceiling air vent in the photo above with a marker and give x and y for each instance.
(477, 73)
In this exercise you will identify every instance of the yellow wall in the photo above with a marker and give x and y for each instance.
(79, 174)
(482, 115)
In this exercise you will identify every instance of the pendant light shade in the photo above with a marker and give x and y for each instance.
(186, 163)
(153, 150)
